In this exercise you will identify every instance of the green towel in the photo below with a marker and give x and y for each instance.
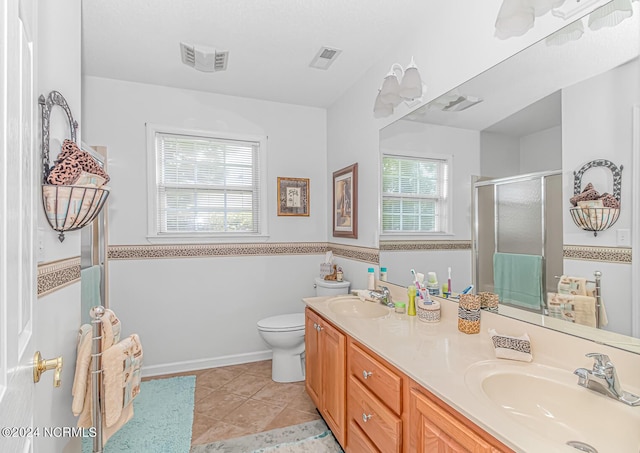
(518, 279)
(89, 290)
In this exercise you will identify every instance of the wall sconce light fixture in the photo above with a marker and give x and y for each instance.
(398, 86)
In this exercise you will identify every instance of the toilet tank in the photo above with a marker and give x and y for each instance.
(330, 287)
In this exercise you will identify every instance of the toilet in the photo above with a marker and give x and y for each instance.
(285, 335)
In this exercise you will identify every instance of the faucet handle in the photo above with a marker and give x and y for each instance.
(601, 360)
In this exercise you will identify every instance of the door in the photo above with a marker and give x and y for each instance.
(18, 183)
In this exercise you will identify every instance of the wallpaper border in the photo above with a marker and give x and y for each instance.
(424, 245)
(593, 253)
(55, 275)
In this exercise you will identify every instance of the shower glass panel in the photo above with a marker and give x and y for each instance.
(519, 217)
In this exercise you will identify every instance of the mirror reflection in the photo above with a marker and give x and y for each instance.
(480, 179)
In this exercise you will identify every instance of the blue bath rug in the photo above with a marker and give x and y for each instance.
(162, 419)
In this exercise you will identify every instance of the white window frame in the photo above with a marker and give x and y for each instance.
(154, 236)
(414, 235)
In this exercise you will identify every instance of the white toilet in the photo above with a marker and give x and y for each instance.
(285, 335)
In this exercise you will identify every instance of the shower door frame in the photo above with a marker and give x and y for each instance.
(495, 182)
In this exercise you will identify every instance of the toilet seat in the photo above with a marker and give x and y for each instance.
(282, 323)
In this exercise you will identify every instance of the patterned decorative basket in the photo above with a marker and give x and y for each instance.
(428, 313)
(489, 301)
(469, 314)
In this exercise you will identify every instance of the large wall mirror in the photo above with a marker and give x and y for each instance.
(489, 168)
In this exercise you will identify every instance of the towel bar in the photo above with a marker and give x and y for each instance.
(96, 376)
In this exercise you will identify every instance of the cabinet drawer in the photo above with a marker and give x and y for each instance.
(357, 441)
(380, 425)
(376, 377)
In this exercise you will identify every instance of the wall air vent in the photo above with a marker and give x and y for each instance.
(204, 58)
(325, 58)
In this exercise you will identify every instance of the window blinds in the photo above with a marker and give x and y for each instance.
(414, 194)
(207, 185)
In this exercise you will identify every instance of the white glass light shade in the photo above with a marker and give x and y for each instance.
(380, 109)
(515, 18)
(571, 32)
(542, 7)
(390, 91)
(411, 85)
(610, 14)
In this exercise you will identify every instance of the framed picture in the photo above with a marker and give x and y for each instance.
(293, 196)
(345, 202)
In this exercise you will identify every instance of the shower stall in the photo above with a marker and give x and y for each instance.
(517, 244)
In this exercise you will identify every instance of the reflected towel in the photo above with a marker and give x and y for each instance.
(517, 279)
(573, 308)
(573, 285)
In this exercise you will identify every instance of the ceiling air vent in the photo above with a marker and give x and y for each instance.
(325, 57)
(204, 58)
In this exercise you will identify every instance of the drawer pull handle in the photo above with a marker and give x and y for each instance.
(318, 327)
(366, 374)
(365, 417)
(315, 325)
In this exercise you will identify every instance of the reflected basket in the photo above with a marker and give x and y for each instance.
(70, 208)
(594, 219)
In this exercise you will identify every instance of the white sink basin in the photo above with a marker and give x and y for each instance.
(549, 402)
(353, 307)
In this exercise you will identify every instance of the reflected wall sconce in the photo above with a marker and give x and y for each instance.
(610, 14)
(516, 17)
(399, 85)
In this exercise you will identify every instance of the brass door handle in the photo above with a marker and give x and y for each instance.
(41, 365)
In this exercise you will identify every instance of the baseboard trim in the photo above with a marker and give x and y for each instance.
(201, 364)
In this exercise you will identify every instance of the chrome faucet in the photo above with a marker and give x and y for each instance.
(604, 379)
(383, 296)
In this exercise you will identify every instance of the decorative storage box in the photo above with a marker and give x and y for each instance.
(428, 312)
(489, 301)
(469, 313)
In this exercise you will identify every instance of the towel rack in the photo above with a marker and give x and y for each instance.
(97, 388)
(598, 293)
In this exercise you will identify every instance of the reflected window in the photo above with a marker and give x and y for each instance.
(414, 194)
(205, 185)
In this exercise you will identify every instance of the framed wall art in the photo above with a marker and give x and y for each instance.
(293, 196)
(345, 202)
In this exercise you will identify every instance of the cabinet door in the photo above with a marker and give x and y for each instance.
(433, 429)
(333, 358)
(313, 375)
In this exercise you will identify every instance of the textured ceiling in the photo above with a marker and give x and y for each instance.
(271, 43)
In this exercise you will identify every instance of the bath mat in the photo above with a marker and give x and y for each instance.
(162, 420)
(306, 437)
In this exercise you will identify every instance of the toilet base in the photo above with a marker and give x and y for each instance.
(287, 367)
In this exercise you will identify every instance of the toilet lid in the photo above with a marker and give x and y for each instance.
(292, 321)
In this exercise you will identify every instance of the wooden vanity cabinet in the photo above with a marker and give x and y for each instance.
(436, 427)
(372, 407)
(374, 404)
(325, 370)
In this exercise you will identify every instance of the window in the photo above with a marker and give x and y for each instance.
(415, 194)
(204, 184)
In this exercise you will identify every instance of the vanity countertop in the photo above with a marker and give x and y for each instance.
(438, 355)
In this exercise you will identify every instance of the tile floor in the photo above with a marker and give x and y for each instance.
(238, 400)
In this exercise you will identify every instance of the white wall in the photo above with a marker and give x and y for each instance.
(115, 113)
(499, 155)
(597, 119)
(541, 151)
(596, 122)
(200, 311)
(58, 314)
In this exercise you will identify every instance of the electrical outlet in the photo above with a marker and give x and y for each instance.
(40, 245)
(623, 238)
